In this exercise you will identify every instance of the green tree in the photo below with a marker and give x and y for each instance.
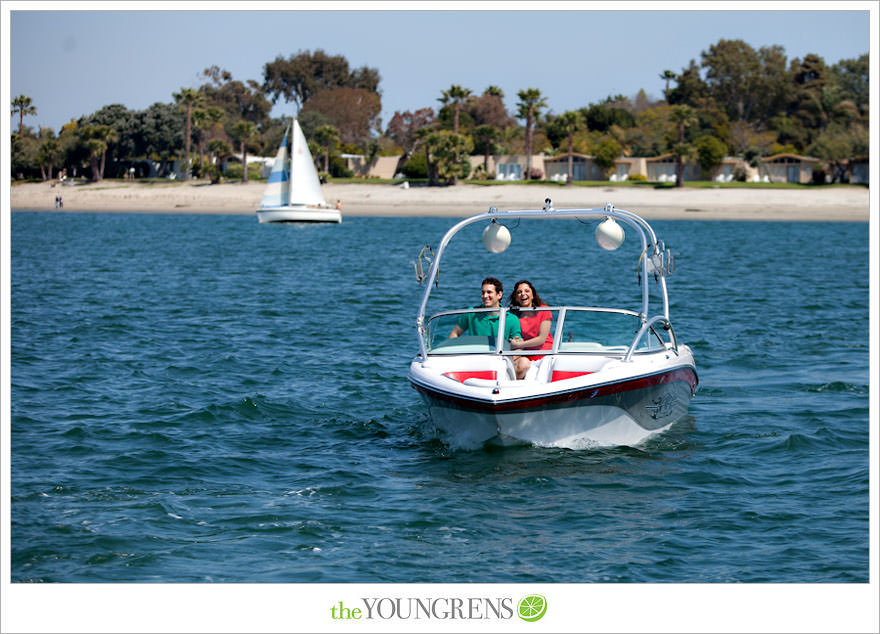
(203, 120)
(731, 67)
(605, 154)
(684, 153)
(96, 138)
(299, 77)
(50, 152)
(327, 136)
(811, 103)
(447, 154)
(571, 121)
(710, 153)
(613, 111)
(836, 145)
(850, 79)
(486, 136)
(690, 89)
(682, 116)
(456, 96)
(159, 133)
(244, 132)
(219, 151)
(667, 76)
(529, 107)
(23, 106)
(188, 98)
(239, 100)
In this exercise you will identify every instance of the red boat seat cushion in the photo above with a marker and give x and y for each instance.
(461, 377)
(561, 375)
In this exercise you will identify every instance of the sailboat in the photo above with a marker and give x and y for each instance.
(293, 193)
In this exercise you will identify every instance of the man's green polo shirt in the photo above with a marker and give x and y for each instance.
(486, 324)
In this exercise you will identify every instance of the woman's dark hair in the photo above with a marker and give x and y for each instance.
(536, 299)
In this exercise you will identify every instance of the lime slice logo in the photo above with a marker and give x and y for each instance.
(532, 608)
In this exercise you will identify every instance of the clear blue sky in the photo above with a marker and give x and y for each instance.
(72, 63)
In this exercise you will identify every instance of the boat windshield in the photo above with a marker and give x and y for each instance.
(572, 329)
(477, 328)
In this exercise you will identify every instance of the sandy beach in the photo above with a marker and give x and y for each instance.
(851, 204)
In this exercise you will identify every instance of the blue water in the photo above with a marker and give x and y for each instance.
(203, 398)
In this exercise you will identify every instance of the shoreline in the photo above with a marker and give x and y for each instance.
(842, 204)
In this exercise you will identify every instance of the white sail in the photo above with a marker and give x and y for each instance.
(293, 193)
(305, 187)
(277, 192)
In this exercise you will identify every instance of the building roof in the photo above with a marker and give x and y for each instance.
(808, 159)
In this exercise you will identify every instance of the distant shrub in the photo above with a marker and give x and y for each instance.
(339, 168)
(739, 174)
(536, 174)
(416, 167)
(637, 177)
(233, 171)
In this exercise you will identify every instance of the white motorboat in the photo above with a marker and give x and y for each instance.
(613, 376)
(293, 193)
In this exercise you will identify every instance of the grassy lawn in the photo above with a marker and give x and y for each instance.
(416, 182)
(423, 182)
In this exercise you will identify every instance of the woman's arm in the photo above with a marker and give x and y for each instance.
(534, 342)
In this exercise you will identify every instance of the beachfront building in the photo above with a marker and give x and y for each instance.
(510, 167)
(582, 169)
(788, 168)
(379, 167)
(661, 169)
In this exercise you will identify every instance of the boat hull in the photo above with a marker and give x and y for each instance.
(624, 411)
(298, 214)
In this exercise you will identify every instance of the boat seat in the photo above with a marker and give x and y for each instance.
(572, 366)
(464, 375)
(497, 371)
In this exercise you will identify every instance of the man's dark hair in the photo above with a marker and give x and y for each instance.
(499, 288)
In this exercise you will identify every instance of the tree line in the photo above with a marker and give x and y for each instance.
(737, 101)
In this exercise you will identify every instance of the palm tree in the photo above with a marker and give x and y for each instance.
(485, 137)
(188, 98)
(667, 76)
(327, 136)
(456, 95)
(571, 121)
(243, 132)
(23, 106)
(50, 149)
(96, 148)
(682, 116)
(203, 120)
(96, 139)
(529, 107)
(218, 149)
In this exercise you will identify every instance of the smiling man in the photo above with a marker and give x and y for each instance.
(486, 323)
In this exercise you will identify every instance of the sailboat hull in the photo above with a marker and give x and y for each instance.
(299, 214)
